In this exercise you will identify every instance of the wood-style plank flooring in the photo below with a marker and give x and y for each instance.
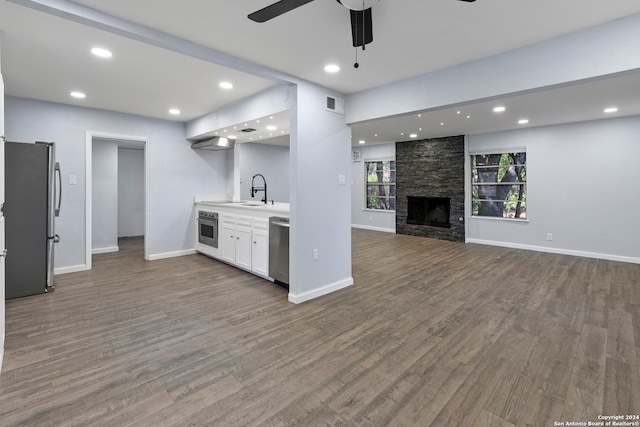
(433, 333)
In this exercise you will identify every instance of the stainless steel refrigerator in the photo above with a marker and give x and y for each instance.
(32, 201)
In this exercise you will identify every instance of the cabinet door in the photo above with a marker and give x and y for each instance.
(228, 242)
(260, 252)
(243, 247)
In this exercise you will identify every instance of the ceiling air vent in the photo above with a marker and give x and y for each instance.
(247, 130)
(335, 105)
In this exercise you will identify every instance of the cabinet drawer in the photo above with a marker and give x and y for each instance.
(261, 224)
(243, 221)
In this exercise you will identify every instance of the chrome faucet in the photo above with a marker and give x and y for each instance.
(254, 189)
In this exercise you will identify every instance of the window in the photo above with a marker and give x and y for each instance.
(380, 184)
(499, 184)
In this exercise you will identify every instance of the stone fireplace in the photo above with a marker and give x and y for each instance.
(430, 188)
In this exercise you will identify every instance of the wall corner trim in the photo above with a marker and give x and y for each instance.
(306, 296)
(368, 227)
(174, 254)
(71, 269)
(105, 250)
(558, 251)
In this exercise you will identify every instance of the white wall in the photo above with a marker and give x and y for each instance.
(360, 216)
(320, 205)
(269, 160)
(130, 192)
(582, 186)
(176, 172)
(592, 53)
(2, 217)
(105, 197)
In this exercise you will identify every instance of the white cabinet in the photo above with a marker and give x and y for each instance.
(243, 238)
(260, 246)
(236, 240)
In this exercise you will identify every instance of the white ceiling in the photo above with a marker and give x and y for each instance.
(45, 56)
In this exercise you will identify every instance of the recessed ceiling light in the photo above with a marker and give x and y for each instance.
(362, 141)
(101, 52)
(78, 95)
(468, 117)
(499, 109)
(226, 85)
(413, 135)
(523, 121)
(441, 123)
(457, 112)
(419, 115)
(271, 127)
(611, 110)
(174, 111)
(332, 68)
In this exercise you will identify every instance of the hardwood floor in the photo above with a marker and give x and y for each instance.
(433, 333)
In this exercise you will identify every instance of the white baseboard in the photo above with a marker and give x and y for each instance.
(368, 227)
(70, 269)
(558, 251)
(306, 296)
(106, 250)
(175, 254)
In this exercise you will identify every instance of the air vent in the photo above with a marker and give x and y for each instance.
(335, 105)
(247, 130)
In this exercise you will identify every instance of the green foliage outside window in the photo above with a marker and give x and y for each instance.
(380, 185)
(499, 185)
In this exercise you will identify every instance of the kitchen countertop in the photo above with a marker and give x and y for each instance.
(246, 205)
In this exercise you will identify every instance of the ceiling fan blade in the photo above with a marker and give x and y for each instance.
(361, 27)
(276, 9)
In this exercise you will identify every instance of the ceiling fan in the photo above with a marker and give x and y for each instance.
(360, 10)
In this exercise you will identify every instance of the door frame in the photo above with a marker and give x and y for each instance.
(90, 136)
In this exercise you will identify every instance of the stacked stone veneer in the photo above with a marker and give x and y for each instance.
(431, 168)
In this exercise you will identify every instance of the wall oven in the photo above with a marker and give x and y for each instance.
(208, 228)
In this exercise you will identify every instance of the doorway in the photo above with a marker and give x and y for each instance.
(116, 195)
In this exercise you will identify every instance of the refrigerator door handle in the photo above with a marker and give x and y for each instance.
(59, 188)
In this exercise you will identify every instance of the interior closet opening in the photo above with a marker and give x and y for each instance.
(116, 196)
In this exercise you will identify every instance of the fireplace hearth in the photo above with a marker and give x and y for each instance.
(431, 211)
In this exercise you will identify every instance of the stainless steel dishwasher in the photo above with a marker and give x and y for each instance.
(279, 250)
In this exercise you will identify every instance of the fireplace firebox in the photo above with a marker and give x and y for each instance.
(432, 211)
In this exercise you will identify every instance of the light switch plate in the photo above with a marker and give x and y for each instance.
(73, 180)
(342, 180)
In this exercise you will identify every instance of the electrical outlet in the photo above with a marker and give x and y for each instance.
(549, 236)
(315, 254)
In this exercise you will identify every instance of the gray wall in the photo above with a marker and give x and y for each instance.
(176, 172)
(592, 53)
(130, 192)
(582, 186)
(269, 160)
(320, 205)
(360, 216)
(105, 197)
